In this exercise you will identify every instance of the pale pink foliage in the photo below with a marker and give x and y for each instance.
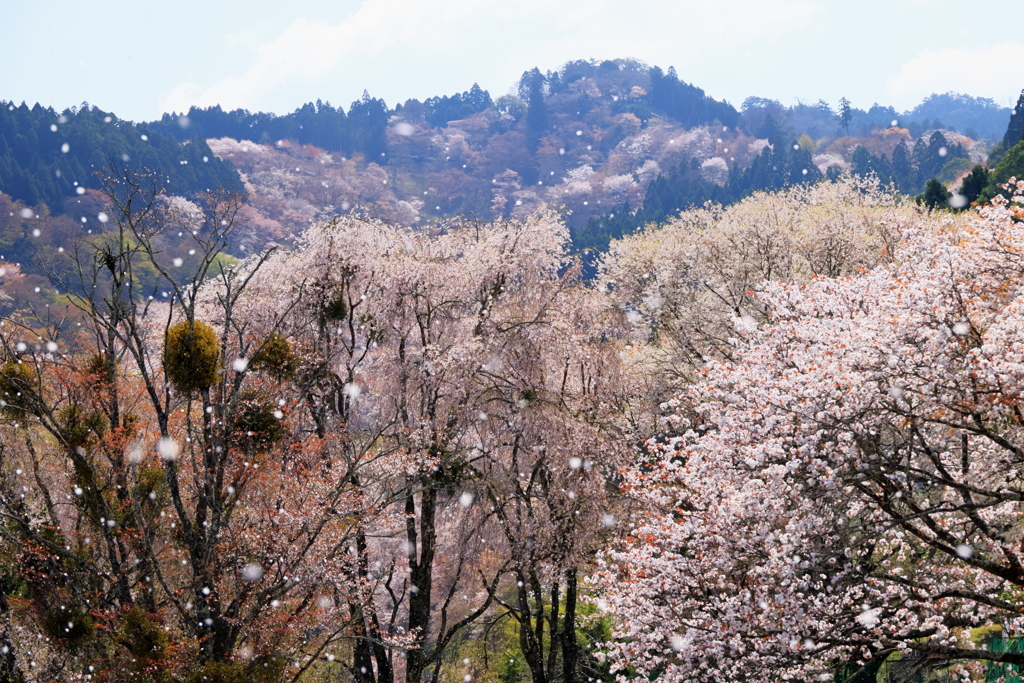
(850, 486)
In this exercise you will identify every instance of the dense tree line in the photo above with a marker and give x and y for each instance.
(47, 157)
(687, 103)
(684, 187)
(320, 124)
(616, 142)
(442, 109)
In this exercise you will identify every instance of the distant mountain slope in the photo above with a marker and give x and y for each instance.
(595, 137)
(963, 113)
(48, 157)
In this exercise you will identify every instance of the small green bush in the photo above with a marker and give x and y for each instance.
(255, 427)
(275, 358)
(191, 352)
(70, 626)
(82, 428)
(18, 382)
(263, 669)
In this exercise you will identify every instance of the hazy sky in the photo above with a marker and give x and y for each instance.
(139, 59)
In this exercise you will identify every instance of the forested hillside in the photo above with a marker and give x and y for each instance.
(611, 144)
(49, 157)
(593, 137)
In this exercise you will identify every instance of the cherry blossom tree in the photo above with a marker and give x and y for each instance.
(475, 371)
(847, 487)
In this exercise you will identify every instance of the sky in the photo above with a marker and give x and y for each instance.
(139, 60)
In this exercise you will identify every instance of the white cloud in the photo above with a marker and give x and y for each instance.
(394, 46)
(996, 71)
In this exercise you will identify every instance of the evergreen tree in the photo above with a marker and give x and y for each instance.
(46, 157)
(903, 172)
(532, 86)
(974, 183)
(368, 118)
(845, 114)
(686, 103)
(935, 196)
(1015, 130)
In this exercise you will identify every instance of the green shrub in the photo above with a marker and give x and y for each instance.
(255, 426)
(70, 626)
(81, 428)
(191, 352)
(275, 358)
(18, 383)
(264, 669)
(96, 368)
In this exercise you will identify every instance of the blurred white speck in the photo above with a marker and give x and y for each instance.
(177, 262)
(145, 137)
(961, 328)
(65, 148)
(869, 617)
(466, 499)
(964, 551)
(943, 151)
(676, 643)
(608, 520)
(252, 572)
(895, 123)
(167, 448)
(51, 346)
(958, 201)
(240, 364)
(896, 392)
(36, 233)
(278, 414)
(352, 390)
(575, 463)
(405, 129)
(26, 213)
(102, 217)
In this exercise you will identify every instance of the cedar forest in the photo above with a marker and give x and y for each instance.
(598, 380)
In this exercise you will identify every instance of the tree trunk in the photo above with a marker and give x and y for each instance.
(421, 570)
